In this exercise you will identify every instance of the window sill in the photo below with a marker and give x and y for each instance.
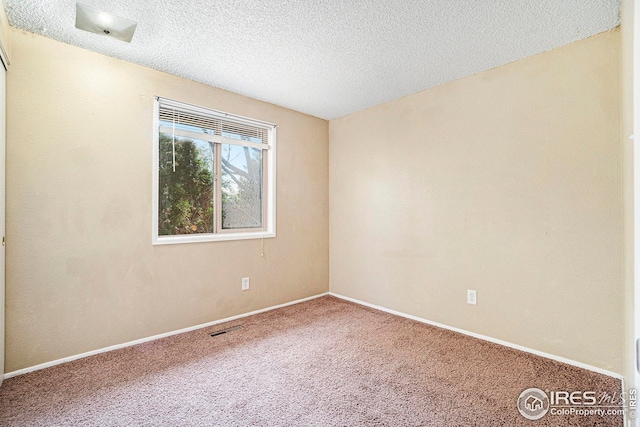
(201, 238)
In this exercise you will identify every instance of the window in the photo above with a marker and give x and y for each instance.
(214, 175)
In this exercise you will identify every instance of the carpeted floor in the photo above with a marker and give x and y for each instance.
(325, 362)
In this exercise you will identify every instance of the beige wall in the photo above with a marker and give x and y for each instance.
(81, 271)
(507, 182)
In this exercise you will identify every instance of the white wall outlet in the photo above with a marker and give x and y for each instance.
(245, 283)
(472, 297)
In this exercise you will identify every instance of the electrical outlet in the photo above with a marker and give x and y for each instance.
(472, 297)
(245, 283)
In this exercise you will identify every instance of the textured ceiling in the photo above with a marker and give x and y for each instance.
(326, 58)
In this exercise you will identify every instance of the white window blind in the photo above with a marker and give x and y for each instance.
(210, 125)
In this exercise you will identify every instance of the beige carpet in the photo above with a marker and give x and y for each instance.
(325, 362)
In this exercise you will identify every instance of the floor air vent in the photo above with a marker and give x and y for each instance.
(224, 331)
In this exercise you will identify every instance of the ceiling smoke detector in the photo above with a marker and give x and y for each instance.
(96, 21)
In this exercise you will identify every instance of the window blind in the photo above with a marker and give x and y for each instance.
(195, 122)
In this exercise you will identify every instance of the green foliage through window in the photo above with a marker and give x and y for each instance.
(186, 194)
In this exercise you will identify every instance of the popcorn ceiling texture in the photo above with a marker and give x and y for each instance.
(325, 58)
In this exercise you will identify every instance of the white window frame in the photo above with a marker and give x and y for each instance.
(268, 200)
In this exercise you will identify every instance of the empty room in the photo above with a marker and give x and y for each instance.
(324, 213)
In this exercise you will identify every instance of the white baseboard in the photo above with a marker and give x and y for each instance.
(155, 337)
(377, 307)
(485, 338)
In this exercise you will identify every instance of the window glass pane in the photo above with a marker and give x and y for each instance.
(241, 187)
(185, 199)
